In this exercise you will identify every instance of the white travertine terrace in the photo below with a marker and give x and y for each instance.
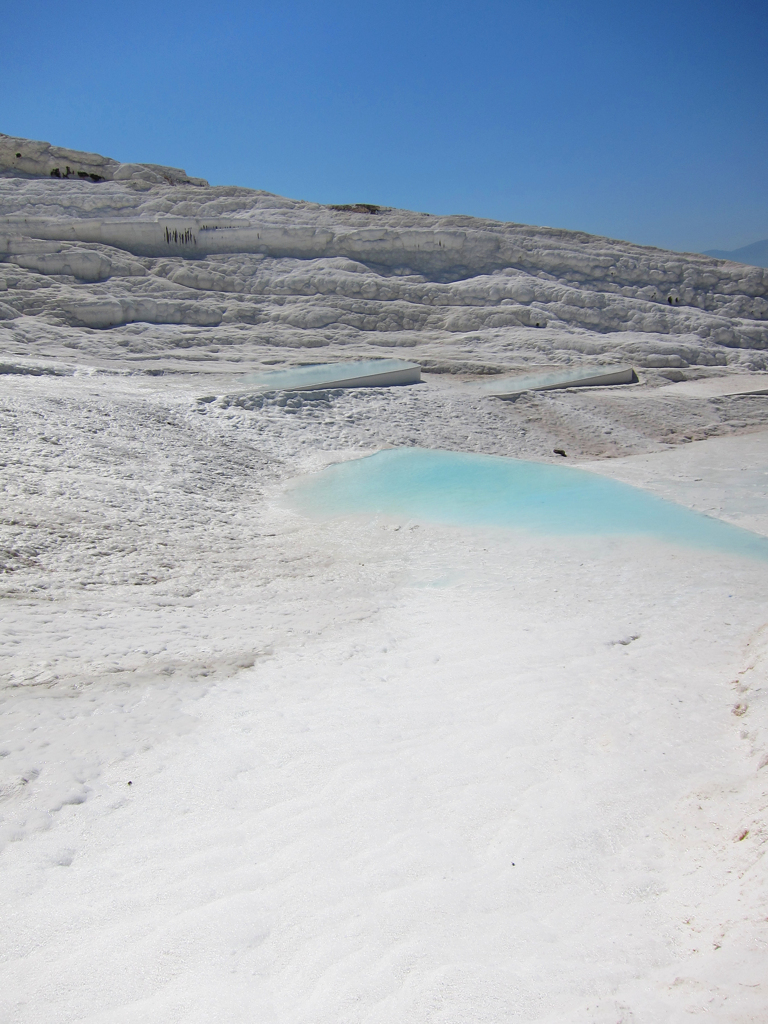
(583, 377)
(29, 159)
(366, 373)
(256, 766)
(154, 247)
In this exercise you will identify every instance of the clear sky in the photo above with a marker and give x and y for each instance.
(644, 121)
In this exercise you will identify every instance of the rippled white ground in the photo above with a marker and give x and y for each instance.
(376, 774)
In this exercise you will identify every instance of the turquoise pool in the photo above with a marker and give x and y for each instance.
(580, 376)
(456, 488)
(362, 373)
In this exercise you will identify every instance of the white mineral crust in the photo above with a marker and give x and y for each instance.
(255, 767)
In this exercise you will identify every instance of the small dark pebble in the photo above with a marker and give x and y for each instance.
(559, 451)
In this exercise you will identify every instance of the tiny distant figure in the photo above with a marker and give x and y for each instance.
(559, 451)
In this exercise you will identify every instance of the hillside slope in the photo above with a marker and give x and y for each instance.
(251, 271)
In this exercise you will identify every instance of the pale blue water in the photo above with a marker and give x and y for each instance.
(314, 376)
(485, 490)
(558, 377)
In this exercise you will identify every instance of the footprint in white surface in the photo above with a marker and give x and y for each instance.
(63, 858)
(14, 787)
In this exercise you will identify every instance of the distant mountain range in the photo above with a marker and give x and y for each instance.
(755, 254)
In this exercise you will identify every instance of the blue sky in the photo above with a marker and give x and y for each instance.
(640, 121)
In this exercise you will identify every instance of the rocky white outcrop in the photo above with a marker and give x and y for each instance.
(145, 245)
(30, 159)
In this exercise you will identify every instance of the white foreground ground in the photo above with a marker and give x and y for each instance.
(260, 768)
(255, 768)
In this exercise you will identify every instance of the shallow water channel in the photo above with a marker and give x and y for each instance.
(462, 489)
